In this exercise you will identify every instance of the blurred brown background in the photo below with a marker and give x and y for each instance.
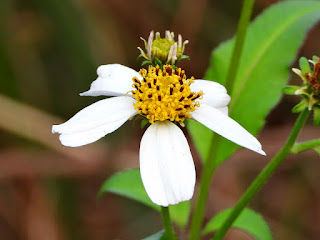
(49, 52)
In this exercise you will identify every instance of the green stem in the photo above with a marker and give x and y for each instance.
(239, 42)
(300, 147)
(263, 176)
(167, 223)
(210, 164)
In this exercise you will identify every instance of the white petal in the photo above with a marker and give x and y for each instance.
(166, 164)
(95, 121)
(311, 61)
(179, 41)
(300, 73)
(172, 55)
(149, 46)
(214, 95)
(224, 110)
(113, 80)
(226, 127)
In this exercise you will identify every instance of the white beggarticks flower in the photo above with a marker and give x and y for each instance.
(164, 96)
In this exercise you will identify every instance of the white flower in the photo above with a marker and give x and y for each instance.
(164, 96)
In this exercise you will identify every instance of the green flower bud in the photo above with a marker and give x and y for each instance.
(160, 51)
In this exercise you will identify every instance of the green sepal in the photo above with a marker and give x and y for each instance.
(290, 90)
(140, 56)
(138, 117)
(304, 65)
(182, 57)
(300, 106)
(157, 61)
(144, 123)
(316, 118)
(146, 62)
(314, 58)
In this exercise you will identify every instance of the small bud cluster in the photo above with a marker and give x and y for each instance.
(160, 51)
(310, 89)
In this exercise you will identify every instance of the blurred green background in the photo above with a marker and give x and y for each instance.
(49, 52)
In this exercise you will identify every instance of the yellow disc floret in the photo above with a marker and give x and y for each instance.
(164, 94)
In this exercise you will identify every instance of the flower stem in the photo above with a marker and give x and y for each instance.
(263, 176)
(167, 223)
(210, 164)
(300, 147)
(239, 42)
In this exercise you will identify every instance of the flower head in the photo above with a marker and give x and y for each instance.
(165, 96)
(310, 89)
(311, 81)
(163, 50)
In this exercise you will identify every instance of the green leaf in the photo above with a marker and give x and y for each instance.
(315, 58)
(304, 65)
(157, 236)
(248, 220)
(129, 184)
(140, 56)
(180, 213)
(182, 57)
(290, 90)
(271, 44)
(146, 62)
(300, 106)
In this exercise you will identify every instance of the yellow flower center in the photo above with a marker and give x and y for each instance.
(164, 94)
